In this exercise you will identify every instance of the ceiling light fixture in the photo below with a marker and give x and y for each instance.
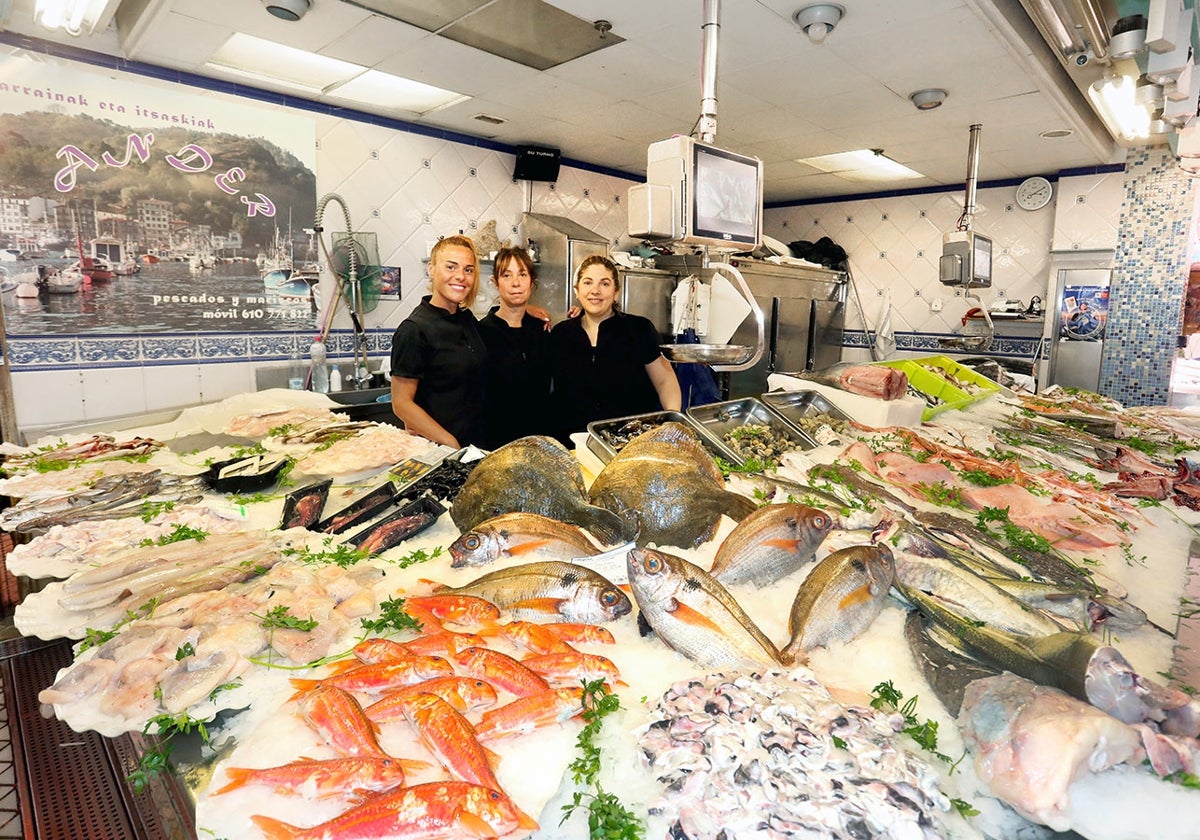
(861, 165)
(289, 10)
(928, 98)
(75, 17)
(818, 20)
(1116, 100)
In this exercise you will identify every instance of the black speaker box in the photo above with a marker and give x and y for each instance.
(537, 163)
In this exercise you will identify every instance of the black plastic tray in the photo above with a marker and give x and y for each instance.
(421, 504)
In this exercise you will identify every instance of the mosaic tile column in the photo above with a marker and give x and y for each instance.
(1150, 270)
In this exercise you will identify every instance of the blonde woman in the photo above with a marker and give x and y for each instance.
(439, 362)
(606, 363)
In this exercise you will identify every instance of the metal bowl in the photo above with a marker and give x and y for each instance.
(708, 354)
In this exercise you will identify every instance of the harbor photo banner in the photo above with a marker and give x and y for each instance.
(130, 206)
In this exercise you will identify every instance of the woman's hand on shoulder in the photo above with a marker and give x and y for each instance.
(541, 314)
(575, 311)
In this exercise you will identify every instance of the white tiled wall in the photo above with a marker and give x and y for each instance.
(406, 188)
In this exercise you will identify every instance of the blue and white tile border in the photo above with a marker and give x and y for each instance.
(39, 353)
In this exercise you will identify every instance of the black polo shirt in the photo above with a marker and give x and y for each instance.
(605, 381)
(518, 378)
(446, 354)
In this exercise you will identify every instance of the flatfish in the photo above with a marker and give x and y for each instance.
(533, 474)
(668, 483)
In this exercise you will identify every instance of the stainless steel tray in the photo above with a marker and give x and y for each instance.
(604, 435)
(708, 354)
(793, 406)
(719, 419)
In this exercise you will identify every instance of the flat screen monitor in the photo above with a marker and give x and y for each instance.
(981, 260)
(715, 194)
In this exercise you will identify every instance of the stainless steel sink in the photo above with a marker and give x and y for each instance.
(366, 395)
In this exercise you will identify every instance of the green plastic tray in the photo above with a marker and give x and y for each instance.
(932, 384)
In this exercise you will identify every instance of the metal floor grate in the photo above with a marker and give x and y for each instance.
(68, 785)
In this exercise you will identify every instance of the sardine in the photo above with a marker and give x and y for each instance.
(549, 591)
(840, 598)
(518, 534)
(694, 614)
(771, 543)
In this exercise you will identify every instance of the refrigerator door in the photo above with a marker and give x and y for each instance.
(648, 293)
(1081, 314)
(825, 334)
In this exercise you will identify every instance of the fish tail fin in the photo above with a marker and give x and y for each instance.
(302, 687)
(621, 683)
(525, 821)
(411, 766)
(344, 665)
(238, 776)
(274, 829)
(492, 757)
(434, 586)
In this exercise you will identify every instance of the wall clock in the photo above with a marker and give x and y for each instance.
(1034, 193)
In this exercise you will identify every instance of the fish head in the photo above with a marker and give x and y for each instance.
(612, 603)
(474, 548)
(880, 566)
(651, 574)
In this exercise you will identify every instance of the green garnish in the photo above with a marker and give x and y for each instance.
(343, 554)
(149, 510)
(887, 698)
(942, 494)
(157, 760)
(981, 478)
(94, 638)
(184, 651)
(418, 556)
(1015, 535)
(392, 618)
(178, 534)
(964, 808)
(608, 819)
(278, 618)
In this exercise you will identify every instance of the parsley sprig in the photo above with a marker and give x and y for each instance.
(608, 819)
(179, 533)
(158, 760)
(392, 618)
(887, 698)
(280, 618)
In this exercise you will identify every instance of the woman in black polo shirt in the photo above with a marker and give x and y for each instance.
(606, 363)
(439, 374)
(516, 338)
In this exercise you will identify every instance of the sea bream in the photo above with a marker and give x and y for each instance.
(517, 535)
(771, 543)
(692, 613)
(840, 598)
(549, 591)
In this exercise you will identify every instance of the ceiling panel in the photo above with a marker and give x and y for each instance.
(779, 95)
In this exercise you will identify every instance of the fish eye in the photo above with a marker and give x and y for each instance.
(471, 541)
(609, 598)
(492, 795)
(820, 521)
(653, 564)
